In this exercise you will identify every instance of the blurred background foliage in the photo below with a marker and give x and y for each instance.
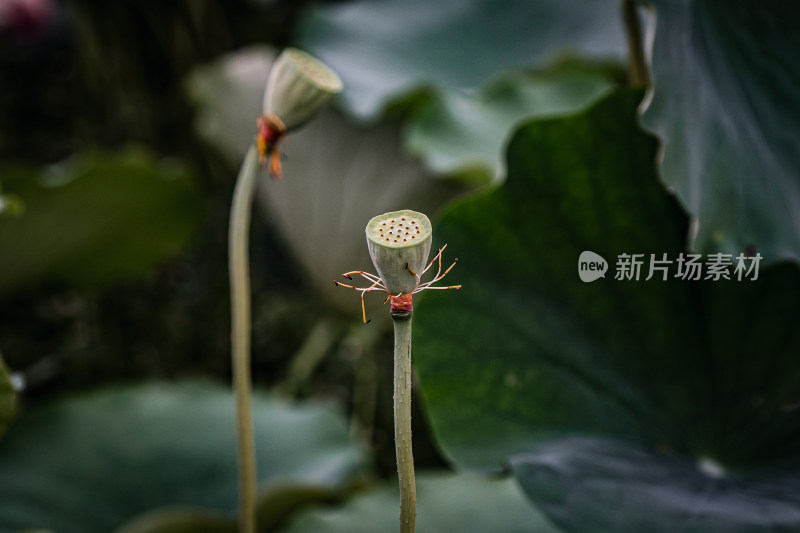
(122, 126)
(96, 76)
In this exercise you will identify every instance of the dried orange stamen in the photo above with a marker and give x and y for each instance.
(400, 303)
(270, 131)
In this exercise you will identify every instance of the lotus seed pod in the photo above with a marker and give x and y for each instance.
(298, 86)
(399, 241)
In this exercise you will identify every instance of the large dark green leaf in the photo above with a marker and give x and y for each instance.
(527, 352)
(514, 354)
(8, 398)
(727, 76)
(90, 463)
(463, 503)
(384, 48)
(95, 220)
(607, 485)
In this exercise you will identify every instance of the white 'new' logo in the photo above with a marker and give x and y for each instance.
(591, 266)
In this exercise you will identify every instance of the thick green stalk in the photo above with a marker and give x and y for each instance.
(402, 421)
(238, 258)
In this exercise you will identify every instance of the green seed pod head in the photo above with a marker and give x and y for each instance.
(396, 240)
(298, 86)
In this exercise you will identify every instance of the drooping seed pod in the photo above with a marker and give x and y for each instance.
(298, 86)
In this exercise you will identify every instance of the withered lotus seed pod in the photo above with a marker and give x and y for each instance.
(399, 243)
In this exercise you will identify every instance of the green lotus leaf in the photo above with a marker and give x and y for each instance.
(95, 220)
(726, 78)
(465, 132)
(528, 353)
(386, 48)
(608, 485)
(93, 462)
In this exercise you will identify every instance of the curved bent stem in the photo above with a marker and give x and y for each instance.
(238, 258)
(402, 422)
